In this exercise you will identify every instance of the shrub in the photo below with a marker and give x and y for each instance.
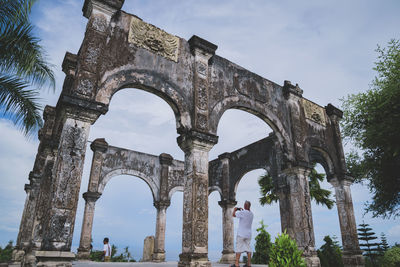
(262, 247)
(285, 253)
(6, 252)
(96, 255)
(391, 258)
(329, 254)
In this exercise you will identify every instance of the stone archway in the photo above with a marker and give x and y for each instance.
(120, 50)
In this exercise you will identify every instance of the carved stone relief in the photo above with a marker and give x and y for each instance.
(314, 112)
(154, 39)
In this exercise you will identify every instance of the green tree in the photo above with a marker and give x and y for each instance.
(285, 253)
(263, 246)
(391, 258)
(371, 121)
(365, 235)
(384, 243)
(320, 195)
(330, 254)
(22, 64)
(6, 252)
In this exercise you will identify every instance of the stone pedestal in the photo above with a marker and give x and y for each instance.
(295, 209)
(195, 199)
(148, 249)
(54, 258)
(228, 252)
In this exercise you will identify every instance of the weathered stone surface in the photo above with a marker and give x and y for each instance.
(120, 50)
(148, 249)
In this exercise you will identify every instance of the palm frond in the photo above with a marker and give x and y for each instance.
(14, 11)
(20, 53)
(19, 104)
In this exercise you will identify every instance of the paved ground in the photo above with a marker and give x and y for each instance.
(133, 264)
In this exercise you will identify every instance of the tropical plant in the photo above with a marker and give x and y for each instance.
(263, 246)
(384, 243)
(330, 254)
(391, 258)
(371, 249)
(285, 253)
(371, 121)
(22, 65)
(320, 195)
(6, 252)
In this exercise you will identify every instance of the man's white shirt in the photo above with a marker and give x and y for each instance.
(245, 221)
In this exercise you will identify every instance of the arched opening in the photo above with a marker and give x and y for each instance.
(139, 121)
(322, 215)
(248, 189)
(238, 129)
(173, 231)
(214, 227)
(125, 214)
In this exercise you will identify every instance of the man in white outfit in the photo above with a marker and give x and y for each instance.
(243, 236)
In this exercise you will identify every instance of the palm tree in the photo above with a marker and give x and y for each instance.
(22, 65)
(320, 195)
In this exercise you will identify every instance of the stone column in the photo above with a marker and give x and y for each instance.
(159, 240)
(228, 252)
(295, 209)
(86, 234)
(99, 147)
(352, 255)
(196, 146)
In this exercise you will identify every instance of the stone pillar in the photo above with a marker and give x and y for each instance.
(86, 233)
(352, 255)
(196, 146)
(98, 146)
(159, 240)
(295, 209)
(228, 231)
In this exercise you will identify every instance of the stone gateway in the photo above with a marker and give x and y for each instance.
(119, 50)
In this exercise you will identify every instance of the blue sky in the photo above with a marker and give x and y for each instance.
(325, 46)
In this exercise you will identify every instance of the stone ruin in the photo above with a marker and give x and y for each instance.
(119, 50)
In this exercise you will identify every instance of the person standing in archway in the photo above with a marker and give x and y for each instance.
(106, 250)
(243, 236)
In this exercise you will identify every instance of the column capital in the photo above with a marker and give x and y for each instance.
(69, 63)
(347, 181)
(227, 202)
(193, 138)
(80, 108)
(162, 204)
(165, 159)
(91, 196)
(108, 7)
(333, 112)
(99, 144)
(198, 45)
(290, 89)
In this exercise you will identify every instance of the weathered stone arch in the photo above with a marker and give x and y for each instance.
(257, 109)
(321, 156)
(154, 188)
(120, 50)
(149, 81)
(173, 190)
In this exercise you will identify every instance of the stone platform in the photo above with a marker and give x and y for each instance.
(147, 264)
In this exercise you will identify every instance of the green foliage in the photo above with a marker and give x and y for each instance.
(96, 255)
(6, 252)
(330, 254)
(263, 246)
(320, 195)
(372, 122)
(391, 258)
(384, 243)
(371, 249)
(22, 64)
(284, 253)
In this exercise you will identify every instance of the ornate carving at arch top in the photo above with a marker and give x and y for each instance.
(150, 37)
